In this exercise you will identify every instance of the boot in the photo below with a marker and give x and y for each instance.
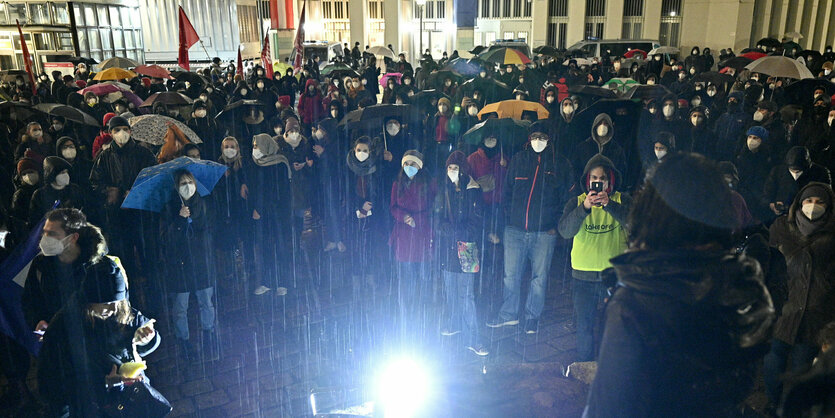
(185, 350)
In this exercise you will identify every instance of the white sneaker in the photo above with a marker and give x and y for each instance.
(330, 247)
(281, 291)
(260, 290)
(479, 350)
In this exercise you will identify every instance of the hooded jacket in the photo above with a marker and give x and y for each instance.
(598, 233)
(71, 196)
(597, 144)
(534, 188)
(810, 265)
(782, 187)
(458, 211)
(684, 329)
(118, 167)
(81, 165)
(310, 107)
(188, 251)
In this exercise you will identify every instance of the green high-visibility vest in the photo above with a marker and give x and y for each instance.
(601, 237)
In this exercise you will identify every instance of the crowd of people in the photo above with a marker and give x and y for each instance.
(707, 250)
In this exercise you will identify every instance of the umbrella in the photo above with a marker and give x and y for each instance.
(67, 112)
(463, 66)
(152, 129)
(114, 74)
(593, 91)
(171, 98)
(665, 50)
(11, 75)
(22, 110)
(281, 67)
(79, 60)
(513, 109)
(714, 77)
(769, 43)
(546, 50)
(381, 51)
(621, 85)
(336, 70)
(737, 63)
(754, 55)
(492, 89)
(112, 92)
(231, 108)
(117, 62)
(779, 66)
(580, 61)
(793, 35)
(631, 53)
(810, 55)
(154, 186)
(506, 130)
(379, 113)
(386, 76)
(153, 71)
(505, 56)
(645, 91)
(438, 77)
(801, 91)
(424, 97)
(477, 49)
(191, 78)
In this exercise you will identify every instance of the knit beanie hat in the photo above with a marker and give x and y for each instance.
(105, 288)
(414, 156)
(759, 132)
(816, 190)
(116, 122)
(27, 164)
(460, 159)
(290, 124)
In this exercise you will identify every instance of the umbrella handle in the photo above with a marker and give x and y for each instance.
(385, 140)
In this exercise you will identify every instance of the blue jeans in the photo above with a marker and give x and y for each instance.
(460, 303)
(179, 311)
(587, 297)
(774, 365)
(520, 246)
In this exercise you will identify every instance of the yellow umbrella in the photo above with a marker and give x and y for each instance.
(281, 67)
(513, 109)
(115, 74)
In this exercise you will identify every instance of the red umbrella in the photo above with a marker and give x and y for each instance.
(386, 76)
(154, 71)
(753, 55)
(632, 52)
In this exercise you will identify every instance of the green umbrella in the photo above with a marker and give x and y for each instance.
(621, 85)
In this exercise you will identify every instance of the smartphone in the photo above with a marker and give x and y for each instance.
(41, 333)
(597, 186)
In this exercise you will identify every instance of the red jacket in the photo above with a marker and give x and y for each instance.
(411, 244)
(481, 165)
(311, 108)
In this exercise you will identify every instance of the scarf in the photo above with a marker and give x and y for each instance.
(807, 227)
(268, 146)
(361, 169)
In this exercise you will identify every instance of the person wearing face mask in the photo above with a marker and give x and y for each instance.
(785, 180)
(288, 85)
(754, 163)
(407, 84)
(730, 128)
(328, 160)
(311, 108)
(663, 145)
(389, 91)
(93, 106)
(805, 237)
(813, 129)
(357, 93)
(600, 142)
(114, 171)
(700, 138)
(595, 221)
(81, 165)
(768, 117)
(538, 181)
(459, 218)
(466, 118)
(263, 92)
(27, 180)
(488, 166)
(442, 130)
(103, 139)
(551, 102)
(826, 71)
(338, 94)
(36, 141)
(189, 262)
(204, 126)
(56, 186)
(304, 194)
(58, 128)
(412, 196)
(230, 204)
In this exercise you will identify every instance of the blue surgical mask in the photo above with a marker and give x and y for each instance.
(410, 171)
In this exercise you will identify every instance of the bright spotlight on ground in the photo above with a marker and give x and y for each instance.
(403, 388)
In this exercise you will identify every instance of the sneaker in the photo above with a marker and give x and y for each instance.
(260, 290)
(448, 332)
(498, 323)
(281, 291)
(330, 246)
(479, 350)
(340, 246)
(531, 326)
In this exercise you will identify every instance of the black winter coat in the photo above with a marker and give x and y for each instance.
(782, 187)
(118, 167)
(188, 253)
(460, 219)
(535, 189)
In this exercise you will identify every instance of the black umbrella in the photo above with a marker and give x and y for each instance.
(464, 66)
(769, 43)
(810, 55)
(424, 97)
(477, 49)
(716, 78)
(510, 131)
(547, 50)
(169, 98)
(22, 110)
(437, 78)
(67, 112)
(79, 60)
(586, 90)
(645, 91)
(339, 71)
(234, 107)
(737, 63)
(193, 78)
(379, 113)
(800, 91)
(492, 89)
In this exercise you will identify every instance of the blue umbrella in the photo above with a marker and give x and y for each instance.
(154, 186)
(463, 66)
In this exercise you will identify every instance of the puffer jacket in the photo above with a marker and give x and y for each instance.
(684, 329)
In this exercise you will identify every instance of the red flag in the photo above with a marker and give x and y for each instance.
(188, 37)
(27, 60)
(239, 69)
(297, 44)
(266, 57)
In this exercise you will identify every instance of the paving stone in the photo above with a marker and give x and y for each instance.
(566, 342)
(211, 399)
(196, 387)
(539, 352)
(182, 407)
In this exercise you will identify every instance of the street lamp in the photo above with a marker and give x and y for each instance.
(421, 4)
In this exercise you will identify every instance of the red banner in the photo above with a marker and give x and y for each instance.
(188, 37)
(288, 13)
(27, 60)
(297, 44)
(239, 69)
(266, 57)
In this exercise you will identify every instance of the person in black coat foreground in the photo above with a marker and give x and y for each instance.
(689, 321)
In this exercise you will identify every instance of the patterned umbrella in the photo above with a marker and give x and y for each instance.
(505, 56)
(113, 91)
(114, 74)
(152, 129)
(117, 62)
(154, 186)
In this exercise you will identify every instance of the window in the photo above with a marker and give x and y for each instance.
(522, 35)
(489, 37)
(129, 43)
(106, 45)
(65, 41)
(44, 41)
(633, 8)
(528, 6)
(485, 8)
(496, 8)
(116, 21)
(104, 20)
(127, 20)
(441, 9)
(375, 9)
(327, 10)
(508, 35)
(38, 13)
(558, 8)
(517, 8)
(60, 13)
(556, 34)
(89, 14)
(595, 8)
(3, 18)
(506, 8)
(670, 8)
(16, 11)
(429, 10)
(594, 30)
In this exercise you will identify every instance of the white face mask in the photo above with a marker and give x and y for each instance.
(278, 130)
(447, 83)
(62, 180)
(407, 81)
(364, 82)
(711, 93)
(393, 129)
(293, 138)
(260, 85)
(602, 130)
(204, 98)
(650, 82)
(550, 99)
(483, 74)
(490, 142)
(538, 145)
(361, 155)
(37, 134)
(230, 152)
(830, 120)
(695, 102)
(244, 92)
(453, 175)
(696, 120)
(813, 211)
(334, 113)
(257, 154)
(53, 246)
(31, 178)
(796, 174)
(121, 137)
(58, 126)
(187, 190)
(692, 71)
(319, 134)
(92, 102)
(652, 110)
(472, 111)
(68, 153)
(356, 84)
(669, 110)
(758, 116)
(754, 143)
(660, 154)
(200, 113)
(442, 108)
(826, 72)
